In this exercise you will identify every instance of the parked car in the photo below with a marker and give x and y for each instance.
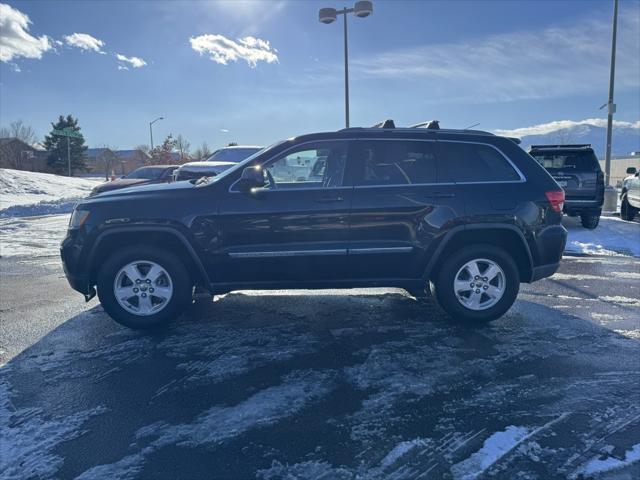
(234, 154)
(630, 195)
(193, 170)
(577, 171)
(466, 213)
(140, 176)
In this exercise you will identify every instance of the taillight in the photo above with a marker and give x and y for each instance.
(556, 199)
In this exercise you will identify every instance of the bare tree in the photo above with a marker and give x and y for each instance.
(20, 131)
(203, 152)
(108, 159)
(183, 146)
(144, 148)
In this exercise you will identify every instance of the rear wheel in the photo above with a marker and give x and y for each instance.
(477, 284)
(144, 287)
(590, 220)
(627, 212)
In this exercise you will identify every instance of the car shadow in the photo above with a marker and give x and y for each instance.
(262, 382)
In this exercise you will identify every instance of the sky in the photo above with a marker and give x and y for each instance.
(255, 72)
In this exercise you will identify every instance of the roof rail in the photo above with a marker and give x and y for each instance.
(576, 145)
(388, 123)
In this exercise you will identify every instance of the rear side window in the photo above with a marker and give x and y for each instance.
(394, 162)
(473, 162)
(584, 161)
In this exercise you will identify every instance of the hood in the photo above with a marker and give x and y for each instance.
(144, 189)
(119, 183)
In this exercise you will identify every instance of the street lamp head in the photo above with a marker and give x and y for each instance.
(363, 8)
(328, 15)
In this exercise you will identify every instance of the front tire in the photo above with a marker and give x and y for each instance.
(589, 220)
(477, 284)
(144, 287)
(627, 212)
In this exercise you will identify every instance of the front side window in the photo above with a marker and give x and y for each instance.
(474, 162)
(312, 165)
(395, 162)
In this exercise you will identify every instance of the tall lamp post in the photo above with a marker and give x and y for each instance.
(151, 129)
(362, 8)
(610, 194)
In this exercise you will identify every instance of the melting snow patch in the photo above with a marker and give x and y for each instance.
(311, 470)
(27, 440)
(494, 448)
(597, 466)
(220, 424)
(401, 450)
(612, 237)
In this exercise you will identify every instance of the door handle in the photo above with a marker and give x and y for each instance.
(440, 195)
(329, 199)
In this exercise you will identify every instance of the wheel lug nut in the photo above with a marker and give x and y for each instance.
(485, 279)
(144, 295)
(135, 290)
(151, 290)
(138, 280)
(148, 281)
(476, 277)
(486, 287)
(473, 285)
(477, 291)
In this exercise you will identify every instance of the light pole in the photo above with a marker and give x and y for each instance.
(611, 107)
(151, 129)
(362, 8)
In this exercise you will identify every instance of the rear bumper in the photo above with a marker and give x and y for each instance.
(574, 205)
(544, 271)
(549, 246)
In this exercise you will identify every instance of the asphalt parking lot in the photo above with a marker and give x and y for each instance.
(327, 384)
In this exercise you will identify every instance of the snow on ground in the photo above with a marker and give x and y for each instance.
(30, 193)
(32, 236)
(613, 236)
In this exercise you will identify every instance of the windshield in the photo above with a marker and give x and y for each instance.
(241, 165)
(579, 161)
(234, 155)
(147, 173)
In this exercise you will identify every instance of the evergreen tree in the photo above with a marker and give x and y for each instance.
(56, 146)
(163, 154)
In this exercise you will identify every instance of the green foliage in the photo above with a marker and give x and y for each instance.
(56, 146)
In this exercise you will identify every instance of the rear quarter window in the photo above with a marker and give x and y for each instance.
(473, 162)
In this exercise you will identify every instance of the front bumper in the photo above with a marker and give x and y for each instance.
(70, 253)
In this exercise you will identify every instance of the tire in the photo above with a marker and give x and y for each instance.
(589, 220)
(627, 212)
(157, 309)
(445, 291)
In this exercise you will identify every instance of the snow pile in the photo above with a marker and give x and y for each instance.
(30, 193)
(613, 236)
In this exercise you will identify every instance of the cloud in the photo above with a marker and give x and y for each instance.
(122, 67)
(562, 60)
(223, 50)
(15, 40)
(544, 128)
(224, 130)
(84, 41)
(135, 62)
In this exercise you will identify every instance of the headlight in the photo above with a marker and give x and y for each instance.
(78, 217)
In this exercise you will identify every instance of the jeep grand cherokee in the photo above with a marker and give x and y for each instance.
(464, 214)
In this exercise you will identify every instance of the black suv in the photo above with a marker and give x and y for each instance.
(466, 213)
(577, 171)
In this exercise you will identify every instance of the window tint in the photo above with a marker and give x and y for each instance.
(313, 165)
(395, 162)
(472, 162)
(577, 161)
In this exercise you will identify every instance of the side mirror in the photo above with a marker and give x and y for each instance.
(631, 170)
(252, 177)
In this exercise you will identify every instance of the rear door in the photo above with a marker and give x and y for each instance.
(576, 171)
(398, 207)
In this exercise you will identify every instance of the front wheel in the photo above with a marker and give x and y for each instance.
(144, 287)
(477, 284)
(590, 220)
(627, 212)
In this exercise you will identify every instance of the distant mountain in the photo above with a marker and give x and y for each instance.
(626, 135)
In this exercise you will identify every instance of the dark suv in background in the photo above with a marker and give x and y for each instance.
(577, 171)
(466, 214)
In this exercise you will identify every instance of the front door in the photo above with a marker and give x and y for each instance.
(296, 227)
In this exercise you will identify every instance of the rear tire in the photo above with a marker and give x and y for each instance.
(589, 220)
(166, 294)
(454, 272)
(627, 212)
